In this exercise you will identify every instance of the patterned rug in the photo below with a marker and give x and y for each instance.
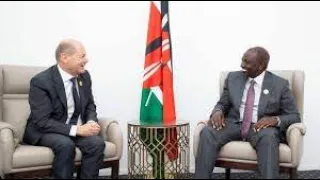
(315, 174)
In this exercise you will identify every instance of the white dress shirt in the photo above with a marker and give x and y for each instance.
(66, 78)
(257, 92)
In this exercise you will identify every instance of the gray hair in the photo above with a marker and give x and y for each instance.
(64, 47)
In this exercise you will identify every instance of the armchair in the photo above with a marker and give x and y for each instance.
(240, 155)
(21, 160)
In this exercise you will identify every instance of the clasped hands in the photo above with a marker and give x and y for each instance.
(89, 129)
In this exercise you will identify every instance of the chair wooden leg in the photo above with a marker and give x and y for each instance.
(115, 170)
(9, 176)
(228, 171)
(293, 173)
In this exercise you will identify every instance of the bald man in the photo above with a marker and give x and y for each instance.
(63, 113)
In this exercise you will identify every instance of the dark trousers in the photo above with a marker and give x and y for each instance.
(265, 142)
(63, 147)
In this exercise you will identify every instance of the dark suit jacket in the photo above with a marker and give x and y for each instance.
(278, 102)
(48, 104)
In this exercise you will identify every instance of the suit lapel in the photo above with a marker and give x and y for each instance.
(239, 88)
(266, 90)
(59, 86)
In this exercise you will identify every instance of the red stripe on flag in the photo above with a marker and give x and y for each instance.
(153, 57)
(156, 78)
(154, 23)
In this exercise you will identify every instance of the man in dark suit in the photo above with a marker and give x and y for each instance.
(63, 113)
(255, 106)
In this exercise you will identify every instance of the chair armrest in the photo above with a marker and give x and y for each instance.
(111, 132)
(294, 135)
(7, 147)
(196, 136)
(300, 126)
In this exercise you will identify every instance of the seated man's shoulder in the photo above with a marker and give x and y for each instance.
(234, 74)
(43, 76)
(278, 79)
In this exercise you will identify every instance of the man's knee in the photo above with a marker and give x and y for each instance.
(204, 131)
(211, 136)
(100, 143)
(97, 142)
(64, 145)
(269, 135)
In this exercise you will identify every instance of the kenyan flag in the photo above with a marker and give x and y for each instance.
(157, 102)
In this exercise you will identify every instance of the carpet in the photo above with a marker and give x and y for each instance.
(314, 174)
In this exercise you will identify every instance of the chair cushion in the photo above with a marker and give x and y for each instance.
(30, 156)
(16, 110)
(14, 90)
(243, 151)
(26, 156)
(16, 78)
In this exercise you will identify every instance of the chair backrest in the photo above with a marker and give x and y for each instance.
(14, 90)
(296, 83)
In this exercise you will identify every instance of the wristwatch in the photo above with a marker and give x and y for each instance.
(278, 120)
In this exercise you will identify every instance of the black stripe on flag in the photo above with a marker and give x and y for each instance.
(154, 45)
(165, 11)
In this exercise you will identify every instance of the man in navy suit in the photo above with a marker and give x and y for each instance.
(255, 106)
(63, 113)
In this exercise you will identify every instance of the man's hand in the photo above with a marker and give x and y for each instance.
(89, 129)
(217, 120)
(265, 122)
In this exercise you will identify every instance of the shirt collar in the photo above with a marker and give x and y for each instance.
(259, 79)
(65, 76)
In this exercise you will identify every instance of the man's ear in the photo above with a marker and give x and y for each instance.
(63, 58)
(262, 66)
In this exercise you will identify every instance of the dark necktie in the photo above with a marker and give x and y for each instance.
(248, 110)
(77, 105)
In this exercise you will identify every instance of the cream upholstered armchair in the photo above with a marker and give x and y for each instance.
(240, 155)
(20, 160)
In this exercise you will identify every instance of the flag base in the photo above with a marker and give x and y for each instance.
(148, 152)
